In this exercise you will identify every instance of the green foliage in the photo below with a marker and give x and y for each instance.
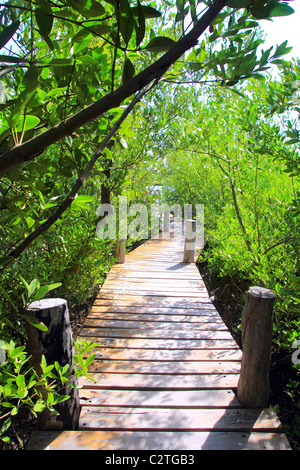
(21, 387)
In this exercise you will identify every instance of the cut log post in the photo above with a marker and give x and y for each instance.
(166, 225)
(56, 344)
(120, 251)
(253, 387)
(190, 241)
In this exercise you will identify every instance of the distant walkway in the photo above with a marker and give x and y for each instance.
(166, 366)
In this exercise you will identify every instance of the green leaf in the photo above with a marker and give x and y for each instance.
(264, 56)
(4, 427)
(128, 71)
(261, 12)
(84, 198)
(140, 29)
(14, 411)
(81, 202)
(25, 283)
(30, 222)
(126, 21)
(281, 50)
(7, 33)
(33, 285)
(11, 59)
(34, 322)
(42, 291)
(88, 8)
(30, 123)
(31, 78)
(149, 12)
(39, 406)
(90, 30)
(95, 10)
(282, 9)
(159, 44)
(60, 399)
(44, 17)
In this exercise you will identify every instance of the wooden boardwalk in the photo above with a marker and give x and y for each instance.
(166, 367)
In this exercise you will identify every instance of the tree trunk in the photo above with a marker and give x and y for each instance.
(120, 251)
(56, 344)
(253, 386)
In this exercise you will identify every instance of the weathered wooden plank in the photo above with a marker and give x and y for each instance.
(189, 293)
(154, 269)
(165, 325)
(162, 367)
(133, 274)
(150, 343)
(160, 399)
(143, 440)
(160, 266)
(159, 381)
(164, 283)
(139, 287)
(181, 355)
(155, 333)
(201, 310)
(120, 316)
(227, 419)
(151, 299)
(139, 333)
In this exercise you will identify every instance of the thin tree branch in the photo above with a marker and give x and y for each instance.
(278, 243)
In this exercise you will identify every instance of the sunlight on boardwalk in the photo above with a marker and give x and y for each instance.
(166, 367)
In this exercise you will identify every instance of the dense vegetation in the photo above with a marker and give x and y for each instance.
(101, 100)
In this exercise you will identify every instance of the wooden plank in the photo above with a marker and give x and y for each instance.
(132, 274)
(165, 441)
(167, 354)
(202, 310)
(158, 325)
(164, 283)
(164, 367)
(139, 287)
(151, 299)
(155, 334)
(159, 381)
(135, 291)
(150, 343)
(191, 399)
(154, 269)
(227, 419)
(171, 267)
(154, 319)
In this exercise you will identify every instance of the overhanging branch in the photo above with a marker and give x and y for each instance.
(32, 148)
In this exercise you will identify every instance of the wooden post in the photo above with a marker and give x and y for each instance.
(253, 386)
(120, 251)
(166, 224)
(190, 241)
(56, 344)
